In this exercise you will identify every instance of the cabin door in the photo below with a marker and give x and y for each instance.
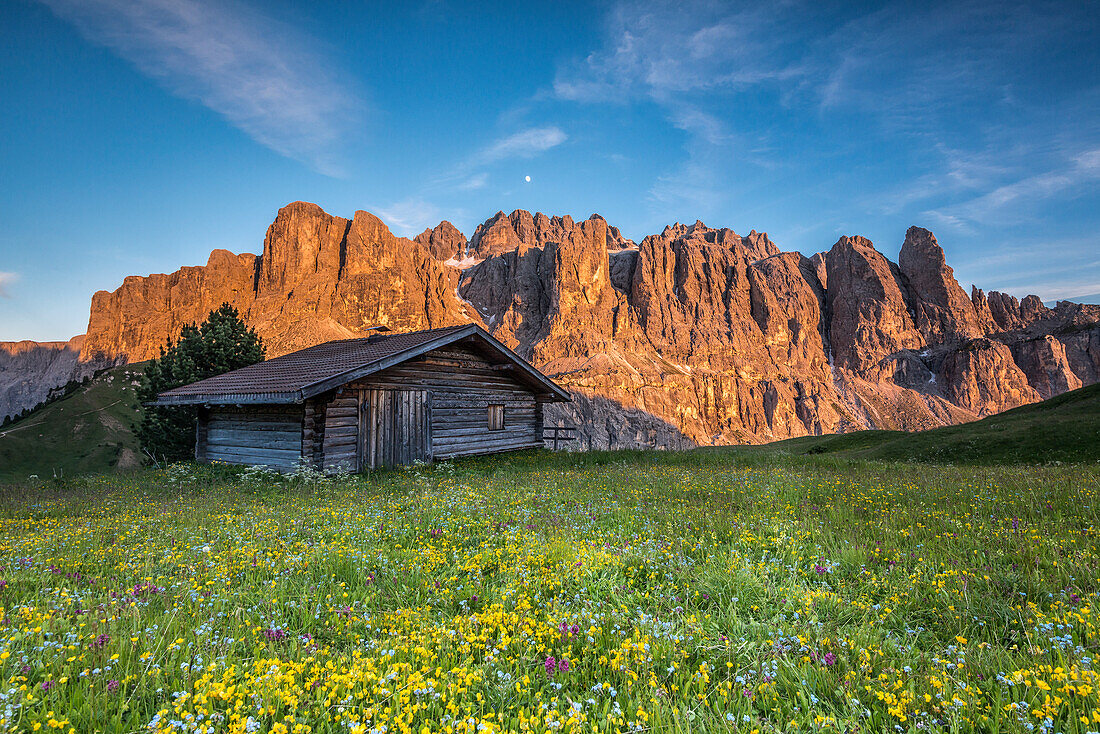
(395, 427)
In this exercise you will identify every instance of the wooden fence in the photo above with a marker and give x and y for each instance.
(556, 434)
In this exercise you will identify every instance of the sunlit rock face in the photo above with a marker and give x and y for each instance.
(696, 335)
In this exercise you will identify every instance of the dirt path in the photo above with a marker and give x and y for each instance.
(109, 421)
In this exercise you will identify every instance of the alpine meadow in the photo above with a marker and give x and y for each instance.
(617, 367)
(623, 591)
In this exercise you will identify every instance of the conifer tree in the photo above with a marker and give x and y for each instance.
(220, 344)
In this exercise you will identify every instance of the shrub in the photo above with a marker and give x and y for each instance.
(221, 344)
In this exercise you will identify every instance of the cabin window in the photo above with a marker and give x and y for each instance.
(496, 417)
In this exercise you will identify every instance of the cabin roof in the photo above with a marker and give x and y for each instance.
(299, 375)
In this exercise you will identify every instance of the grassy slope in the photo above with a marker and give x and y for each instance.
(88, 431)
(712, 592)
(1065, 428)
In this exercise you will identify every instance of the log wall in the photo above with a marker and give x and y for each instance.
(264, 435)
(432, 407)
(463, 385)
(340, 443)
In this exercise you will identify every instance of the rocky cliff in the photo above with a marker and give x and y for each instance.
(29, 370)
(696, 335)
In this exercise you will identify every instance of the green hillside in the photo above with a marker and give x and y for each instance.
(87, 431)
(90, 431)
(1065, 428)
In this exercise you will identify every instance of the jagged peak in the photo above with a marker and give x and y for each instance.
(445, 242)
(302, 207)
(920, 249)
(362, 215)
(853, 242)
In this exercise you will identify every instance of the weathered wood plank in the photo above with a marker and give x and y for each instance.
(255, 456)
(250, 417)
(202, 425)
(253, 442)
(447, 439)
(271, 429)
(481, 418)
(447, 442)
(333, 441)
(450, 445)
(449, 454)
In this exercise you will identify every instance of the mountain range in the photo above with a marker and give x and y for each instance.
(693, 336)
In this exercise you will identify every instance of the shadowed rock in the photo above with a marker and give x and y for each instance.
(696, 335)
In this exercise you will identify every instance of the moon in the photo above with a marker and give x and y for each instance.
(527, 179)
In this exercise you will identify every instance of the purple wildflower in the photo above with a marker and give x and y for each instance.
(47, 685)
(112, 686)
(829, 659)
(551, 666)
(563, 665)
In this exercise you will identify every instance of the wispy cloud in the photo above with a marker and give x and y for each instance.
(264, 77)
(468, 174)
(1021, 263)
(413, 214)
(1008, 203)
(523, 144)
(656, 51)
(475, 182)
(691, 61)
(906, 75)
(6, 281)
(410, 217)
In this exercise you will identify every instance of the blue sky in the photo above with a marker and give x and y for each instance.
(138, 136)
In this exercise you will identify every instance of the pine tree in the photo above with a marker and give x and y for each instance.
(222, 343)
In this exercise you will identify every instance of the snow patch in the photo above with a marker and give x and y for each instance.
(468, 261)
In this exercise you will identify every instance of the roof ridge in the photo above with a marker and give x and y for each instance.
(299, 375)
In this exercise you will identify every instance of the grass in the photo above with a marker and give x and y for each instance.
(87, 431)
(90, 432)
(618, 591)
(1065, 428)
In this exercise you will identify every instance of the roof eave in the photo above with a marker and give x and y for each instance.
(331, 383)
(281, 398)
(559, 392)
(554, 391)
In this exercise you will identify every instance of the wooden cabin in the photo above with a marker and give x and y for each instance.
(383, 400)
